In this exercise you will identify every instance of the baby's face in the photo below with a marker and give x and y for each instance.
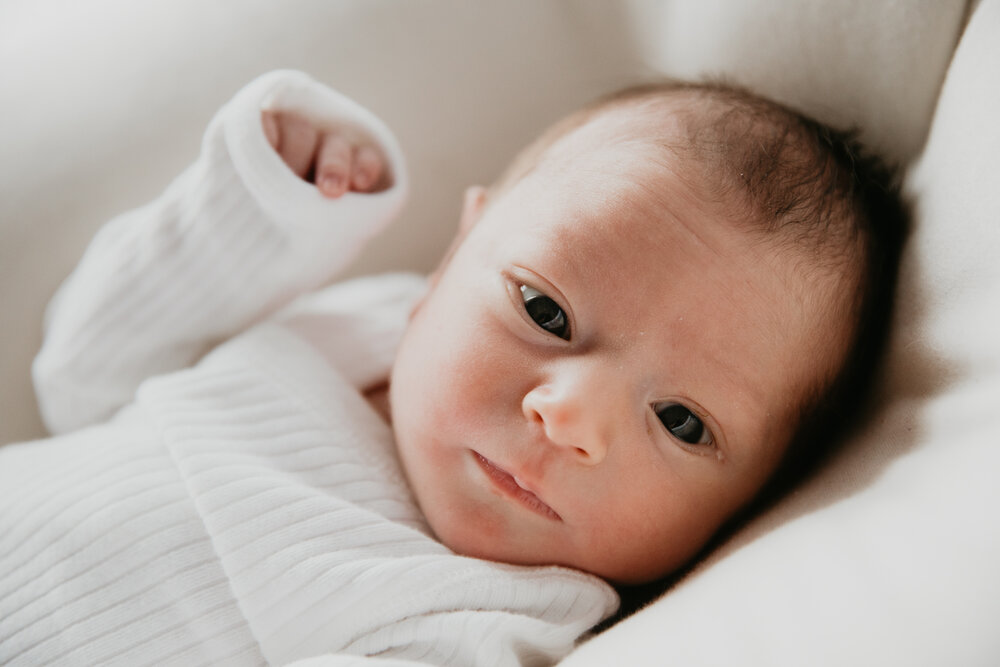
(604, 372)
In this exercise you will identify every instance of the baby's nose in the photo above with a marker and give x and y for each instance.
(573, 415)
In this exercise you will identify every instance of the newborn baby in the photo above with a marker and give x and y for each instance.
(653, 311)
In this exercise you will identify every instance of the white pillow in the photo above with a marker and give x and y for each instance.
(890, 556)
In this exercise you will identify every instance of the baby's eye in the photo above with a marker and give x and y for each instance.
(682, 423)
(545, 312)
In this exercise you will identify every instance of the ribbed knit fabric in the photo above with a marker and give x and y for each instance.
(248, 509)
(104, 560)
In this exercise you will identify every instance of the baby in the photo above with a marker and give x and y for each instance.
(657, 308)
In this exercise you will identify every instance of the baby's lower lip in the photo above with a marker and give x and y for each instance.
(506, 483)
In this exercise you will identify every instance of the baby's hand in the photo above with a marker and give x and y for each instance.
(335, 160)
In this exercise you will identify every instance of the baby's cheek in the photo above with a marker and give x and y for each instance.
(479, 368)
(466, 401)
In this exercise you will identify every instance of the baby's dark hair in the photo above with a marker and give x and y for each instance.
(797, 182)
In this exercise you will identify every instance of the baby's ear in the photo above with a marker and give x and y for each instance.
(472, 208)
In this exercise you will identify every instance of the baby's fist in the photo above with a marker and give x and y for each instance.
(335, 160)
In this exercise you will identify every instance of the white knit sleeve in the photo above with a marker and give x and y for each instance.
(233, 238)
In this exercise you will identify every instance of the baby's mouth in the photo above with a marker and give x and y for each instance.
(509, 486)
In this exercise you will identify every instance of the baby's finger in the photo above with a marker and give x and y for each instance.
(368, 170)
(333, 165)
(298, 140)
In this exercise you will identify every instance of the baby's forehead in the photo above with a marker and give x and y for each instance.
(645, 152)
(747, 159)
(621, 208)
(646, 140)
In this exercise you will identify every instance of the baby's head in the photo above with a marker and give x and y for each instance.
(633, 327)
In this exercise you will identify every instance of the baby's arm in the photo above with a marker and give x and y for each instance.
(236, 236)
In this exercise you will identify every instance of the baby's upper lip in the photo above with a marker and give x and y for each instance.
(523, 491)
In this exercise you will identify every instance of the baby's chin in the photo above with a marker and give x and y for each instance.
(479, 533)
